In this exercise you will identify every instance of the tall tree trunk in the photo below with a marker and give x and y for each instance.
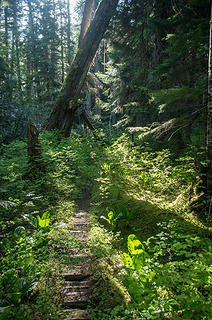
(68, 34)
(209, 117)
(33, 47)
(66, 105)
(6, 39)
(62, 47)
(16, 46)
(86, 20)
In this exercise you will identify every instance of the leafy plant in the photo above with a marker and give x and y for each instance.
(17, 290)
(139, 270)
(121, 216)
(40, 223)
(173, 278)
(124, 214)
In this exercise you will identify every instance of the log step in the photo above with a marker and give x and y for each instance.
(80, 224)
(77, 303)
(80, 256)
(80, 235)
(76, 276)
(79, 284)
(75, 314)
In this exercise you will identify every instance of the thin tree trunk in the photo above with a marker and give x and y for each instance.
(6, 41)
(105, 52)
(16, 45)
(33, 47)
(209, 117)
(66, 105)
(62, 47)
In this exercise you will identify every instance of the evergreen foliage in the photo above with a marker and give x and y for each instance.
(145, 99)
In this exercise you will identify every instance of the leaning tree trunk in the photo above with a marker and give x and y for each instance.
(66, 105)
(209, 117)
(86, 20)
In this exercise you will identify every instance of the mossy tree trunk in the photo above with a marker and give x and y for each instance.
(63, 113)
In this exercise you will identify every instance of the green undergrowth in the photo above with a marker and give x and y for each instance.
(151, 252)
(164, 271)
(37, 202)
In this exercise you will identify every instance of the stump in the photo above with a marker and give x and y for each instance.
(33, 144)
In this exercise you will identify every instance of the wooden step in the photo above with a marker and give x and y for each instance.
(77, 276)
(80, 226)
(80, 256)
(83, 284)
(80, 235)
(75, 302)
(81, 214)
(75, 314)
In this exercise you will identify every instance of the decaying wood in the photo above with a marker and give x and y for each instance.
(178, 123)
(64, 109)
(33, 143)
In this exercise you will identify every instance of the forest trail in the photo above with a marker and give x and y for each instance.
(78, 282)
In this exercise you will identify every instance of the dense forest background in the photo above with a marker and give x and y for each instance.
(126, 148)
(151, 68)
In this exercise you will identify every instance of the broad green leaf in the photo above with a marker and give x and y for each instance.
(46, 215)
(111, 215)
(127, 260)
(134, 245)
(138, 261)
(43, 223)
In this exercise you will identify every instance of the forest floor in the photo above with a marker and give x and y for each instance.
(78, 278)
(104, 233)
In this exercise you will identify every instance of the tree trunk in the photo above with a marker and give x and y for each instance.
(66, 105)
(86, 20)
(16, 46)
(6, 38)
(68, 34)
(209, 117)
(33, 143)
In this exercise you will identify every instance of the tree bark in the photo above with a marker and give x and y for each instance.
(86, 20)
(66, 104)
(209, 118)
(68, 31)
(33, 143)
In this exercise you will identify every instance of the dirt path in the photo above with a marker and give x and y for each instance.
(78, 284)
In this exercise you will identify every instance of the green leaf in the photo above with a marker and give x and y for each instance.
(5, 245)
(32, 220)
(110, 215)
(4, 304)
(19, 233)
(43, 223)
(127, 260)
(134, 245)
(46, 215)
